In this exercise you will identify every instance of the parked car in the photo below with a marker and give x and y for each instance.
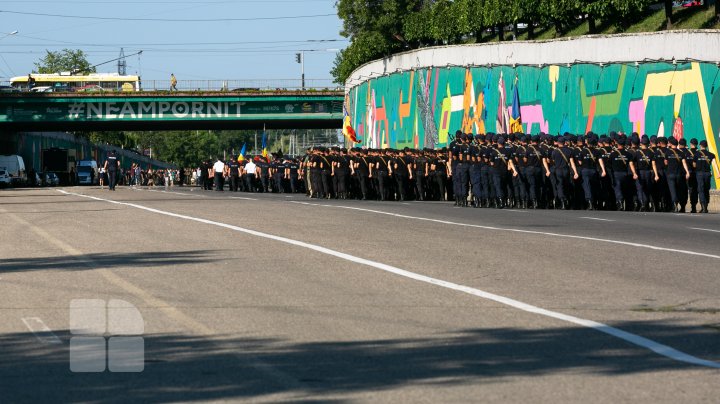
(87, 172)
(51, 180)
(5, 180)
(14, 165)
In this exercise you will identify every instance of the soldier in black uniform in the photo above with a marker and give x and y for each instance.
(362, 170)
(592, 167)
(234, 168)
(400, 168)
(380, 171)
(500, 160)
(292, 169)
(421, 167)
(533, 170)
(476, 161)
(561, 159)
(112, 165)
(704, 163)
(647, 172)
(623, 167)
(677, 173)
(264, 173)
(341, 172)
(692, 182)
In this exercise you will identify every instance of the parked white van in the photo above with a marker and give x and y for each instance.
(87, 172)
(15, 167)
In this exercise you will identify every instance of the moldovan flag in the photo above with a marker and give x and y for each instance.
(516, 119)
(241, 157)
(264, 145)
(348, 131)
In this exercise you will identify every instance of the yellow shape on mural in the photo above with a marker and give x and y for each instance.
(678, 83)
(554, 76)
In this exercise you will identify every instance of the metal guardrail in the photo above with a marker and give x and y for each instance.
(228, 85)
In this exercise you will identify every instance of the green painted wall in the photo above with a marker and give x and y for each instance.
(649, 98)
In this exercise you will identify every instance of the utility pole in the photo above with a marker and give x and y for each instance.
(122, 64)
(300, 58)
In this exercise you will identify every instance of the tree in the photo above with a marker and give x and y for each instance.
(67, 60)
(375, 29)
(668, 14)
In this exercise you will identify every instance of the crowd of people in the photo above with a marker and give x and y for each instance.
(609, 172)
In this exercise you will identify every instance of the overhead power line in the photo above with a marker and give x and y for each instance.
(291, 17)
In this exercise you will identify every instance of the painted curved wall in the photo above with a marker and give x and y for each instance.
(569, 85)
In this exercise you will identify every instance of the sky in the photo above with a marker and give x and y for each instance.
(234, 39)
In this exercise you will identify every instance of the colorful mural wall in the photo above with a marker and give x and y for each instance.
(424, 107)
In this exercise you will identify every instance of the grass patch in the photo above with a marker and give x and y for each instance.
(650, 21)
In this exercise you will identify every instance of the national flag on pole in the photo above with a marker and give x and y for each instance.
(264, 145)
(502, 123)
(348, 131)
(516, 119)
(241, 157)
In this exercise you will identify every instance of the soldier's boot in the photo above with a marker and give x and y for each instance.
(500, 203)
(703, 208)
(465, 201)
(565, 204)
(534, 204)
(457, 201)
(589, 204)
(693, 209)
(619, 206)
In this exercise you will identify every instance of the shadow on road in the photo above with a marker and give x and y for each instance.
(189, 368)
(105, 260)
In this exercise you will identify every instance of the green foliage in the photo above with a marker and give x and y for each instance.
(379, 28)
(67, 60)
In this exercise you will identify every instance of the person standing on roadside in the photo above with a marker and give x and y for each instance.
(111, 167)
(173, 82)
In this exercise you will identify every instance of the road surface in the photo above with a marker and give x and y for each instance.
(274, 297)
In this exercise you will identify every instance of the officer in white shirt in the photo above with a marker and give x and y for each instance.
(219, 168)
(250, 169)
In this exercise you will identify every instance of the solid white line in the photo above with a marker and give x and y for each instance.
(243, 198)
(596, 218)
(515, 210)
(196, 195)
(656, 347)
(41, 331)
(697, 228)
(505, 229)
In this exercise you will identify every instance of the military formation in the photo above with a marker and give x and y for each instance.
(608, 172)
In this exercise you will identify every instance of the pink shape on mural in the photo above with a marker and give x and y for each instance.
(533, 114)
(636, 115)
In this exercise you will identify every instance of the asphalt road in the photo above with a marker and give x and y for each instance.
(266, 297)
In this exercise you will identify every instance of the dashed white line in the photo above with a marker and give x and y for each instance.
(596, 218)
(634, 339)
(698, 228)
(41, 331)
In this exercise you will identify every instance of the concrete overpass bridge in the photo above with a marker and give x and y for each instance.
(24, 112)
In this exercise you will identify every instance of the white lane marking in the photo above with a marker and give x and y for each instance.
(196, 195)
(697, 228)
(654, 346)
(505, 229)
(41, 331)
(515, 210)
(596, 218)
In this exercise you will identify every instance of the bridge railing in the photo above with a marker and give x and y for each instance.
(228, 85)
